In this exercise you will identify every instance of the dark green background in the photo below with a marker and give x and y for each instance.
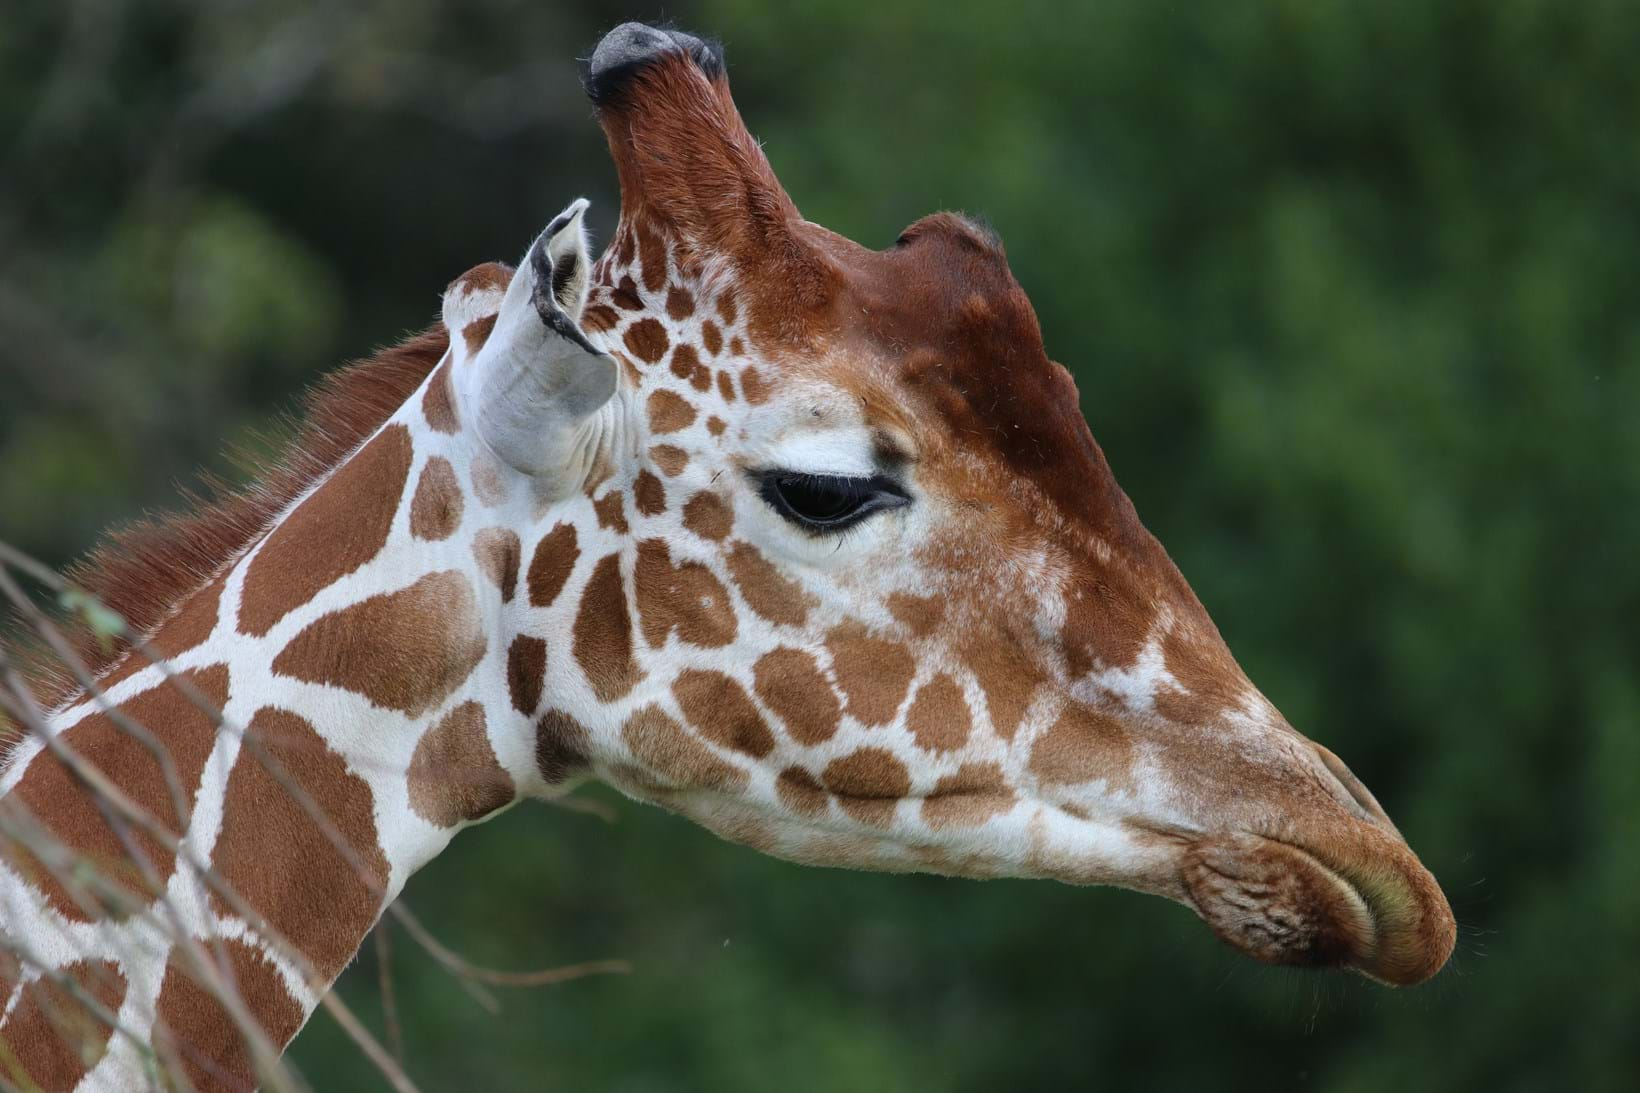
(1351, 294)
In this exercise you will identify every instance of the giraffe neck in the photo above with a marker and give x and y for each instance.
(382, 653)
(368, 644)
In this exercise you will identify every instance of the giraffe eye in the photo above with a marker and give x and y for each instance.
(829, 502)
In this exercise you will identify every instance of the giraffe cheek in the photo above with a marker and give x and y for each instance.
(668, 753)
(873, 673)
(686, 597)
(723, 712)
(968, 798)
(1084, 746)
(766, 591)
(790, 683)
(869, 784)
(939, 716)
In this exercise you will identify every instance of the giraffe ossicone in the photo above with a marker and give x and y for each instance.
(807, 542)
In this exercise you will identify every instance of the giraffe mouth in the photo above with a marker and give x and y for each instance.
(1359, 900)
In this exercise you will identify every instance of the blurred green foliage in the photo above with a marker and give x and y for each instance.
(1350, 294)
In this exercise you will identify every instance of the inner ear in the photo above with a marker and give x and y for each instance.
(563, 265)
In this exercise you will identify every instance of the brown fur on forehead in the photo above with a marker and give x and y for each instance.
(956, 358)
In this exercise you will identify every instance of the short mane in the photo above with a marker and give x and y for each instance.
(145, 569)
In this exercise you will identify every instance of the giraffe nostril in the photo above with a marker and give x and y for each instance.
(1350, 792)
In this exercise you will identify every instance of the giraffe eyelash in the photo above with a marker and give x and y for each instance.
(828, 504)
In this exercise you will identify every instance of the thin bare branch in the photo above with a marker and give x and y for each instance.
(384, 982)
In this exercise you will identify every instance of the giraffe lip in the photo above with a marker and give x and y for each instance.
(1362, 902)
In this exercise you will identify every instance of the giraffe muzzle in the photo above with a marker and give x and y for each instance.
(1356, 897)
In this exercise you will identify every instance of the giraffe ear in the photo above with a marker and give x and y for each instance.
(537, 379)
(562, 263)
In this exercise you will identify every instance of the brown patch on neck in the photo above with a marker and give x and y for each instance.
(143, 571)
(498, 552)
(187, 630)
(435, 510)
(51, 1039)
(561, 744)
(406, 650)
(552, 564)
(50, 796)
(454, 775)
(438, 403)
(203, 1039)
(488, 485)
(299, 881)
(333, 533)
(526, 672)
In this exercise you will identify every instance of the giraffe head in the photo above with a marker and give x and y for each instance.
(823, 555)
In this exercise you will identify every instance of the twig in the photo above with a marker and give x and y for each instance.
(384, 980)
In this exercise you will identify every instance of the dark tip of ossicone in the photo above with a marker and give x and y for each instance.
(631, 47)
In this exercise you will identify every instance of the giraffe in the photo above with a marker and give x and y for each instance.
(807, 542)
